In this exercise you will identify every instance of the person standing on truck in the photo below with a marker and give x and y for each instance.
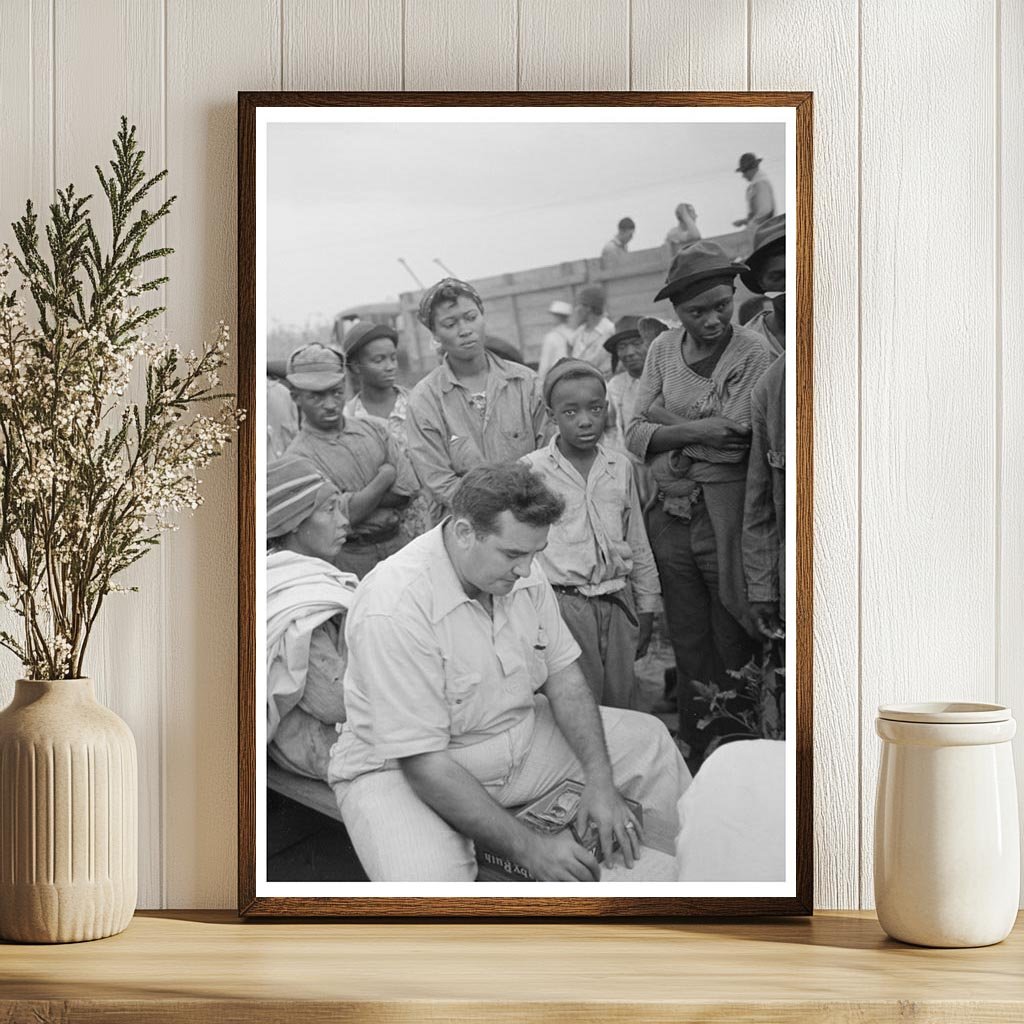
(475, 407)
(593, 329)
(685, 230)
(617, 247)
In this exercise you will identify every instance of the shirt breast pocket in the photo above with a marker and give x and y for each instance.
(460, 692)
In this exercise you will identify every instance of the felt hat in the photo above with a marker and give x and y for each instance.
(362, 333)
(748, 162)
(695, 263)
(626, 327)
(769, 239)
(560, 308)
(315, 368)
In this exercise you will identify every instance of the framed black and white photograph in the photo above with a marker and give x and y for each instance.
(525, 504)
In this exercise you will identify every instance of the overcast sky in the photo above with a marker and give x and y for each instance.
(346, 200)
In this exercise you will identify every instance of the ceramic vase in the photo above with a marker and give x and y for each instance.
(947, 847)
(68, 815)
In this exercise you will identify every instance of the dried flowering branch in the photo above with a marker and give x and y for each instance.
(89, 478)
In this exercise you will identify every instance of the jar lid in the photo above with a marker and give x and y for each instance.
(945, 713)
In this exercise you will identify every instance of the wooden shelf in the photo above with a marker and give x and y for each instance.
(209, 966)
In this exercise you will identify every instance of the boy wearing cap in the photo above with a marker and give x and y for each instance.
(555, 345)
(358, 456)
(598, 559)
(475, 407)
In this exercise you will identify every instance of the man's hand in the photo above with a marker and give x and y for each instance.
(559, 858)
(741, 223)
(766, 615)
(605, 807)
(643, 641)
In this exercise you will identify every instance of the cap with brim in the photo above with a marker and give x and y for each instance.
(315, 368)
(359, 336)
(695, 264)
(769, 239)
(747, 161)
(626, 327)
(560, 308)
(565, 367)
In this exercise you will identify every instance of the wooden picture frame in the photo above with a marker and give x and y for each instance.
(253, 898)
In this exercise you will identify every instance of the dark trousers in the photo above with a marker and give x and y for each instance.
(706, 639)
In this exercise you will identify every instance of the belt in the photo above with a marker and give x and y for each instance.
(615, 598)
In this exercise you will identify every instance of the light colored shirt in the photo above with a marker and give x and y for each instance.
(351, 457)
(623, 390)
(600, 544)
(679, 237)
(282, 419)
(614, 251)
(429, 669)
(760, 200)
(587, 343)
(448, 437)
(555, 346)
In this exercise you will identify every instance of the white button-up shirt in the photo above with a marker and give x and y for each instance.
(430, 669)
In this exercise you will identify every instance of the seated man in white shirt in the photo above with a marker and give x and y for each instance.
(464, 698)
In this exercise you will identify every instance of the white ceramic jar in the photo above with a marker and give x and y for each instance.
(947, 847)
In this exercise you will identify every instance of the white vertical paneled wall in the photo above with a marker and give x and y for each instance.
(919, 298)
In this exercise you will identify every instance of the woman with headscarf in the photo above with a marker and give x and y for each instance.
(475, 407)
(307, 598)
(694, 403)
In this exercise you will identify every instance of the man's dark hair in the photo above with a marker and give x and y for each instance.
(487, 491)
(626, 224)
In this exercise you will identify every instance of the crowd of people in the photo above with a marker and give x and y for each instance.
(461, 576)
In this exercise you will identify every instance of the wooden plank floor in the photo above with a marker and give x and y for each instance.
(208, 966)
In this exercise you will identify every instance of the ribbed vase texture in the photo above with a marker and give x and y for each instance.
(68, 815)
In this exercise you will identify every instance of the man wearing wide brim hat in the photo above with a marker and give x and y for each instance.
(695, 400)
(766, 274)
(358, 456)
(760, 195)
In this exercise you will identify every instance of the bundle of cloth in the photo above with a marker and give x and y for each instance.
(307, 599)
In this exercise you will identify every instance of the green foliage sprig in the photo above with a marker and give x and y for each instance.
(90, 478)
